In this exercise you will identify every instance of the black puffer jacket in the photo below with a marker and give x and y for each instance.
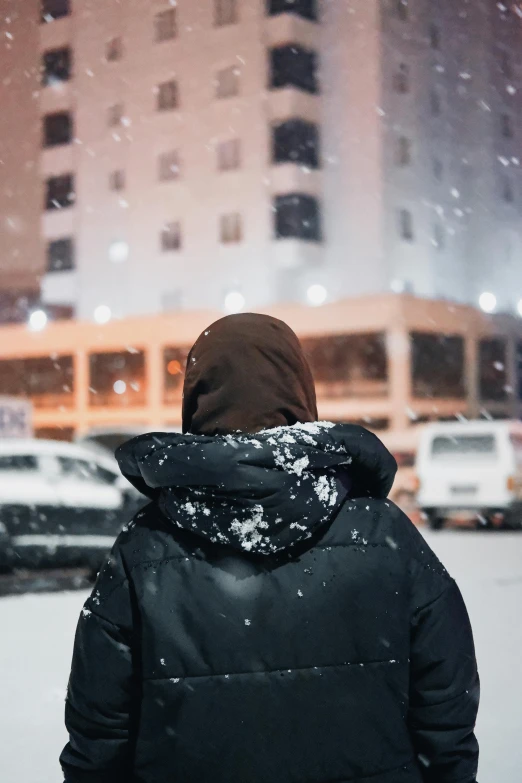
(270, 618)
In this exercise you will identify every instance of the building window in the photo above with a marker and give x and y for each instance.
(506, 64)
(437, 168)
(349, 365)
(60, 255)
(437, 366)
(406, 225)
(439, 236)
(56, 66)
(57, 129)
(59, 192)
(230, 228)
(401, 79)
(171, 237)
(174, 363)
(506, 124)
(435, 37)
(227, 82)
(508, 192)
(54, 9)
(168, 96)
(114, 49)
(228, 154)
(403, 152)
(297, 215)
(165, 27)
(225, 12)
(296, 141)
(117, 180)
(307, 9)
(403, 10)
(48, 381)
(493, 377)
(168, 166)
(115, 115)
(293, 66)
(435, 103)
(117, 379)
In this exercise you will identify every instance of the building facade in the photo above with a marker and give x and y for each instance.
(227, 153)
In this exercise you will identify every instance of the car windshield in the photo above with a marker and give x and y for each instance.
(470, 446)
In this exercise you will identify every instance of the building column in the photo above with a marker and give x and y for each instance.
(512, 377)
(471, 375)
(81, 389)
(399, 377)
(154, 383)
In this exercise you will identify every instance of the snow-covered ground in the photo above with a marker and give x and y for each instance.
(36, 635)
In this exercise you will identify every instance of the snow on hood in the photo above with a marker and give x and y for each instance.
(257, 493)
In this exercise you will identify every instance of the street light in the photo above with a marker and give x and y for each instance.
(234, 302)
(38, 320)
(118, 251)
(120, 387)
(102, 314)
(488, 302)
(316, 295)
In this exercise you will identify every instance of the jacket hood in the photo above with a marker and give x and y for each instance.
(258, 493)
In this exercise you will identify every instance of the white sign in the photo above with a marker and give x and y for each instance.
(16, 418)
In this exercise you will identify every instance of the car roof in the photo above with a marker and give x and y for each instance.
(473, 426)
(26, 446)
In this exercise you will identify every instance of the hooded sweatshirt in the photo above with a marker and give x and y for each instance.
(269, 617)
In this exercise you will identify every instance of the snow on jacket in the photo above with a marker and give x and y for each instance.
(258, 623)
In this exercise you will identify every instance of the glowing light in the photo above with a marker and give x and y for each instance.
(118, 251)
(316, 295)
(38, 320)
(488, 302)
(174, 367)
(102, 314)
(120, 387)
(234, 302)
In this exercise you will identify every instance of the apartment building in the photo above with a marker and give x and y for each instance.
(237, 153)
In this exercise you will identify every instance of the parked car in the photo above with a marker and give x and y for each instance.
(472, 472)
(60, 504)
(110, 438)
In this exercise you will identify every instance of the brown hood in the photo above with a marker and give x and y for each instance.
(247, 373)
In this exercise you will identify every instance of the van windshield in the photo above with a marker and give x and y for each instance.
(474, 446)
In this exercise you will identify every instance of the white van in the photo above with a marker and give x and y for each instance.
(471, 471)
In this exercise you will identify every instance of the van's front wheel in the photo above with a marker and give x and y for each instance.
(435, 522)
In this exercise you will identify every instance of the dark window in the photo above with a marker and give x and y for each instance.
(230, 228)
(56, 66)
(83, 470)
(174, 364)
(406, 224)
(401, 79)
(165, 25)
(293, 66)
(296, 141)
(227, 82)
(117, 379)
(493, 377)
(225, 12)
(114, 49)
(59, 192)
(297, 215)
(508, 192)
(167, 96)
(446, 446)
(168, 166)
(228, 155)
(403, 152)
(48, 381)
(115, 114)
(349, 365)
(403, 10)
(437, 366)
(18, 462)
(60, 255)
(506, 123)
(171, 236)
(305, 8)
(54, 9)
(435, 103)
(58, 129)
(117, 180)
(435, 36)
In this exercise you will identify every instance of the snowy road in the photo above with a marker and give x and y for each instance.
(37, 634)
